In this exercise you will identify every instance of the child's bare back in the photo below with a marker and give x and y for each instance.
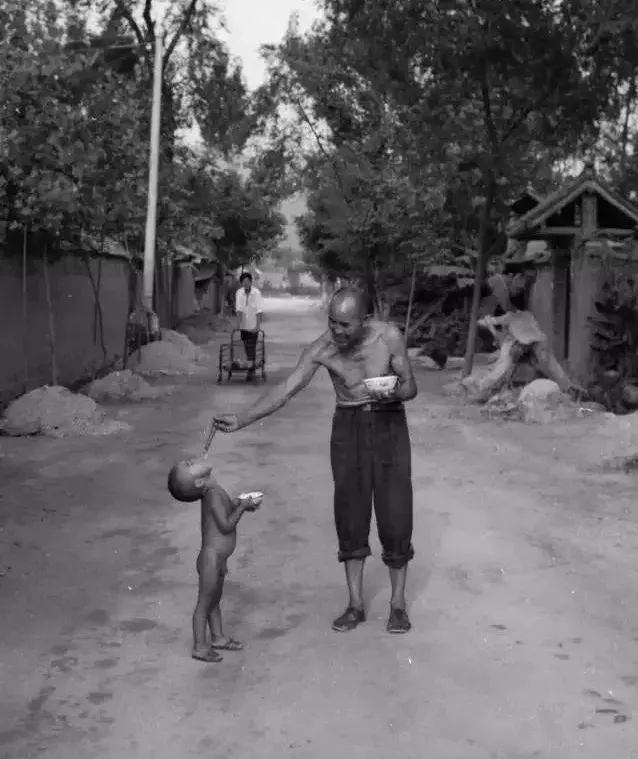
(190, 481)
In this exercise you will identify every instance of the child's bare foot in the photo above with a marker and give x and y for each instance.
(207, 655)
(226, 644)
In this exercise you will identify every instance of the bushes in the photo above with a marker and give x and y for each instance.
(615, 342)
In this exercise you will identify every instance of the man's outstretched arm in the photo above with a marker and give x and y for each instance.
(276, 397)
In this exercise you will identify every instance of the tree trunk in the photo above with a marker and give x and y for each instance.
(25, 312)
(130, 306)
(424, 317)
(98, 317)
(222, 292)
(50, 316)
(410, 300)
(479, 277)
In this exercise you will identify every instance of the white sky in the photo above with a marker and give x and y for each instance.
(252, 23)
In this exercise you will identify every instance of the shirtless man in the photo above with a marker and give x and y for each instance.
(369, 448)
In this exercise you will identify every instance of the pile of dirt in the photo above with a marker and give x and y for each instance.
(221, 323)
(204, 327)
(173, 354)
(57, 412)
(124, 385)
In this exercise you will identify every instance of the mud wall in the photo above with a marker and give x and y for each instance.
(79, 349)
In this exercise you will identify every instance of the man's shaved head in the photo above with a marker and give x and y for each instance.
(346, 317)
(349, 302)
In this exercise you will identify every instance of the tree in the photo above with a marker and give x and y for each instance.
(251, 224)
(614, 40)
(478, 94)
(74, 156)
(366, 203)
(218, 97)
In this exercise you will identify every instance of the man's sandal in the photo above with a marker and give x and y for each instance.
(349, 620)
(227, 645)
(398, 622)
(207, 655)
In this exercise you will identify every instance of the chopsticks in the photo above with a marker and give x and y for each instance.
(210, 436)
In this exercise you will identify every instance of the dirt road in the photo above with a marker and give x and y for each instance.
(523, 592)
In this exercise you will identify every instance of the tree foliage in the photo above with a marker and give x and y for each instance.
(75, 124)
(73, 156)
(427, 118)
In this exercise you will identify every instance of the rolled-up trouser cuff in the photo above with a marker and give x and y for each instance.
(359, 553)
(397, 560)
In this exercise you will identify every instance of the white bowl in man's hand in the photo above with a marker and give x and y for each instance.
(381, 385)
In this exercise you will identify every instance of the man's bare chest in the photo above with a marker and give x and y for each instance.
(369, 360)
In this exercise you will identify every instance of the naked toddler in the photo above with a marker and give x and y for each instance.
(190, 481)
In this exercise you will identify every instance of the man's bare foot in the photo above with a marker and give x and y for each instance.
(207, 655)
(226, 644)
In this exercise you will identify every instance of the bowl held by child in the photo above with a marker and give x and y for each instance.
(252, 499)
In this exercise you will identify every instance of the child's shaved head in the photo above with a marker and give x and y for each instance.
(187, 479)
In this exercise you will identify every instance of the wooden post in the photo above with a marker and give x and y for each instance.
(25, 311)
(153, 173)
(410, 301)
(590, 215)
(50, 316)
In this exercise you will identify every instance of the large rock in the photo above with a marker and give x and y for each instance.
(540, 401)
(630, 395)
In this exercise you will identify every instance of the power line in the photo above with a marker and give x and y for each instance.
(146, 45)
(88, 48)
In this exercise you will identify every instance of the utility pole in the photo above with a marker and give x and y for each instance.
(153, 171)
